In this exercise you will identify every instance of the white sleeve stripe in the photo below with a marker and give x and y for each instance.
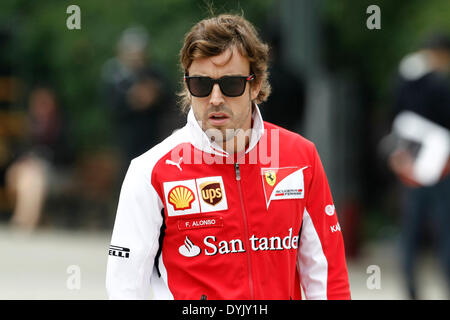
(312, 263)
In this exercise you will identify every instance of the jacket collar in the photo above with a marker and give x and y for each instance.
(201, 141)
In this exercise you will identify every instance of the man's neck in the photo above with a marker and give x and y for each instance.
(240, 142)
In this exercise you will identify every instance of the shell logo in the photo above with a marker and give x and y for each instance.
(181, 197)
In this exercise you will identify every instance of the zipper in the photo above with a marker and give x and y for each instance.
(244, 217)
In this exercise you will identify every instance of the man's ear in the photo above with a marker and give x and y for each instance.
(255, 88)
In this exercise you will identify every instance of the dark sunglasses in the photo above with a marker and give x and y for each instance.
(231, 86)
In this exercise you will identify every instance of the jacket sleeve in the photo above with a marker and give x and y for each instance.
(135, 238)
(321, 255)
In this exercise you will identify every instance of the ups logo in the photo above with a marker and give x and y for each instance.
(211, 192)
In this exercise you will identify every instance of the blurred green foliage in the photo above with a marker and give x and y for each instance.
(43, 49)
(375, 54)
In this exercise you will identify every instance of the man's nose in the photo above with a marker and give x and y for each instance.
(216, 96)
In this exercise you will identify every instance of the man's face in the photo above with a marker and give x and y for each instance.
(218, 113)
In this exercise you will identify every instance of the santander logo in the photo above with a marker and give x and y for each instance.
(213, 246)
(188, 249)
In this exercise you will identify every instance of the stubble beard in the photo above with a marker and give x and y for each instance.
(233, 139)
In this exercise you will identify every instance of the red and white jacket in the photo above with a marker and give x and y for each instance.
(195, 223)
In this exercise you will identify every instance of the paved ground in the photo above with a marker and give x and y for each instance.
(44, 265)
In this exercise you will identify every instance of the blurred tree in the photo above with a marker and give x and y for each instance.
(45, 50)
(372, 58)
(374, 54)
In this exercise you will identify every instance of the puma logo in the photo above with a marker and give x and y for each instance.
(175, 164)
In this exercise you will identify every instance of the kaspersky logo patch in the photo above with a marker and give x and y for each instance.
(195, 196)
(283, 183)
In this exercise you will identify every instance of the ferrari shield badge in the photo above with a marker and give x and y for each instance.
(271, 177)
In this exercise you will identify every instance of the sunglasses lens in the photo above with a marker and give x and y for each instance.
(200, 86)
(232, 86)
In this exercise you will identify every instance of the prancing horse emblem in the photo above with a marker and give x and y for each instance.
(271, 177)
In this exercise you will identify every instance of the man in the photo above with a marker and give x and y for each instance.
(420, 157)
(229, 206)
(136, 93)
